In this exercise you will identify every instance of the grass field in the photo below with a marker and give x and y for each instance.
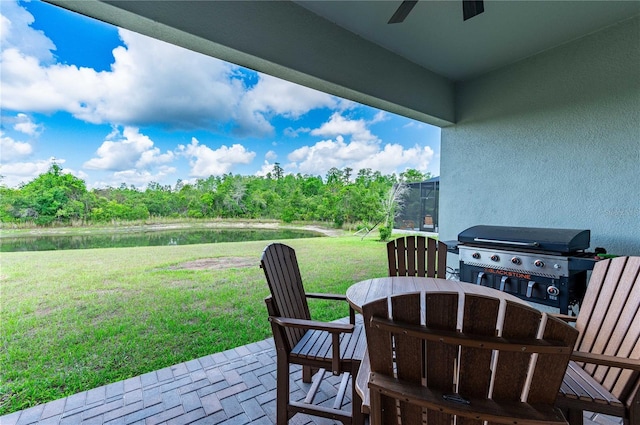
(78, 319)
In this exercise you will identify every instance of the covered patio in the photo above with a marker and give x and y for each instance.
(539, 105)
(236, 387)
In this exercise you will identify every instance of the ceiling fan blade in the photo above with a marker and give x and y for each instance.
(402, 12)
(471, 8)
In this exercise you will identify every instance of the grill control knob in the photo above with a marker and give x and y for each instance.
(538, 263)
(557, 266)
(553, 291)
(476, 255)
(495, 257)
(516, 260)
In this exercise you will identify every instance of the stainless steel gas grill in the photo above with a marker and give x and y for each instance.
(541, 265)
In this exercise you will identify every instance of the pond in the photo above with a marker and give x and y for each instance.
(150, 238)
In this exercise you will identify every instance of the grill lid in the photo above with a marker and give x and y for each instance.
(530, 238)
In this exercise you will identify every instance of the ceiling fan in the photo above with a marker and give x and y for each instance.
(470, 8)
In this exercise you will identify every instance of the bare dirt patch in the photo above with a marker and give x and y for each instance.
(217, 263)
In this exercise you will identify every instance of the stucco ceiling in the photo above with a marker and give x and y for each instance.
(346, 48)
(435, 36)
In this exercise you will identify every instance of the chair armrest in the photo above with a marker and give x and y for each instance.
(564, 317)
(331, 327)
(334, 328)
(335, 297)
(321, 296)
(605, 360)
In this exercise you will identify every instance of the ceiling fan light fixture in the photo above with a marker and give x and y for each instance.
(403, 10)
(471, 8)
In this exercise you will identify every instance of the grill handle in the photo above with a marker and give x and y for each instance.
(532, 244)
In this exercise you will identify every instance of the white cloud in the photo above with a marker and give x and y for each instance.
(78, 173)
(339, 125)
(266, 168)
(29, 86)
(205, 161)
(150, 82)
(130, 150)
(23, 172)
(380, 117)
(271, 155)
(11, 149)
(364, 150)
(272, 96)
(24, 124)
(291, 132)
(141, 178)
(16, 32)
(395, 158)
(319, 158)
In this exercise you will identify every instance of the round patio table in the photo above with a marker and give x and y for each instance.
(369, 290)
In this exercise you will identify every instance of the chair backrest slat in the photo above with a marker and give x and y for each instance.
(410, 256)
(408, 353)
(422, 267)
(280, 267)
(550, 368)
(392, 258)
(624, 383)
(441, 313)
(480, 318)
(598, 322)
(625, 332)
(431, 266)
(401, 253)
(417, 256)
(520, 322)
(609, 321)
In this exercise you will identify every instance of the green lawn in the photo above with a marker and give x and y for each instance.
(78, 319)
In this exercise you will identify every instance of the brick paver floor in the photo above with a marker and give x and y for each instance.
(233, 387)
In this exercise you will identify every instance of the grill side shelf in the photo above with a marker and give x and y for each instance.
(582, 263)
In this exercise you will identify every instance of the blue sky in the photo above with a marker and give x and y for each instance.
(112, 106)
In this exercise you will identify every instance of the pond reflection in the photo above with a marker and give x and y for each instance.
(154, 238)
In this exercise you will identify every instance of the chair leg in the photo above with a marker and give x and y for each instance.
(375, 415)
(307, 374)
(282, 391)
(356, 402)
(575, 417)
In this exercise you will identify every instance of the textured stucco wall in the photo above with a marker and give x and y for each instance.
(552, 141)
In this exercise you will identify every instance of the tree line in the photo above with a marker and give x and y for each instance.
(57, 198)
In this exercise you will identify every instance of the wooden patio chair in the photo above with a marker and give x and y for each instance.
(321, 346)
(604, 374)
(472, 374)
(417, 256)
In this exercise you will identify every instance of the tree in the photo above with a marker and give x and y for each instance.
(392, 206)
(278, 172)
(347, 174)
(335, 177)
(411, 175)
(55, 196)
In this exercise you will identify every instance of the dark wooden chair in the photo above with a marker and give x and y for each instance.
(321, 346)
(472, 374)
(417, 256)
(604, 374)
